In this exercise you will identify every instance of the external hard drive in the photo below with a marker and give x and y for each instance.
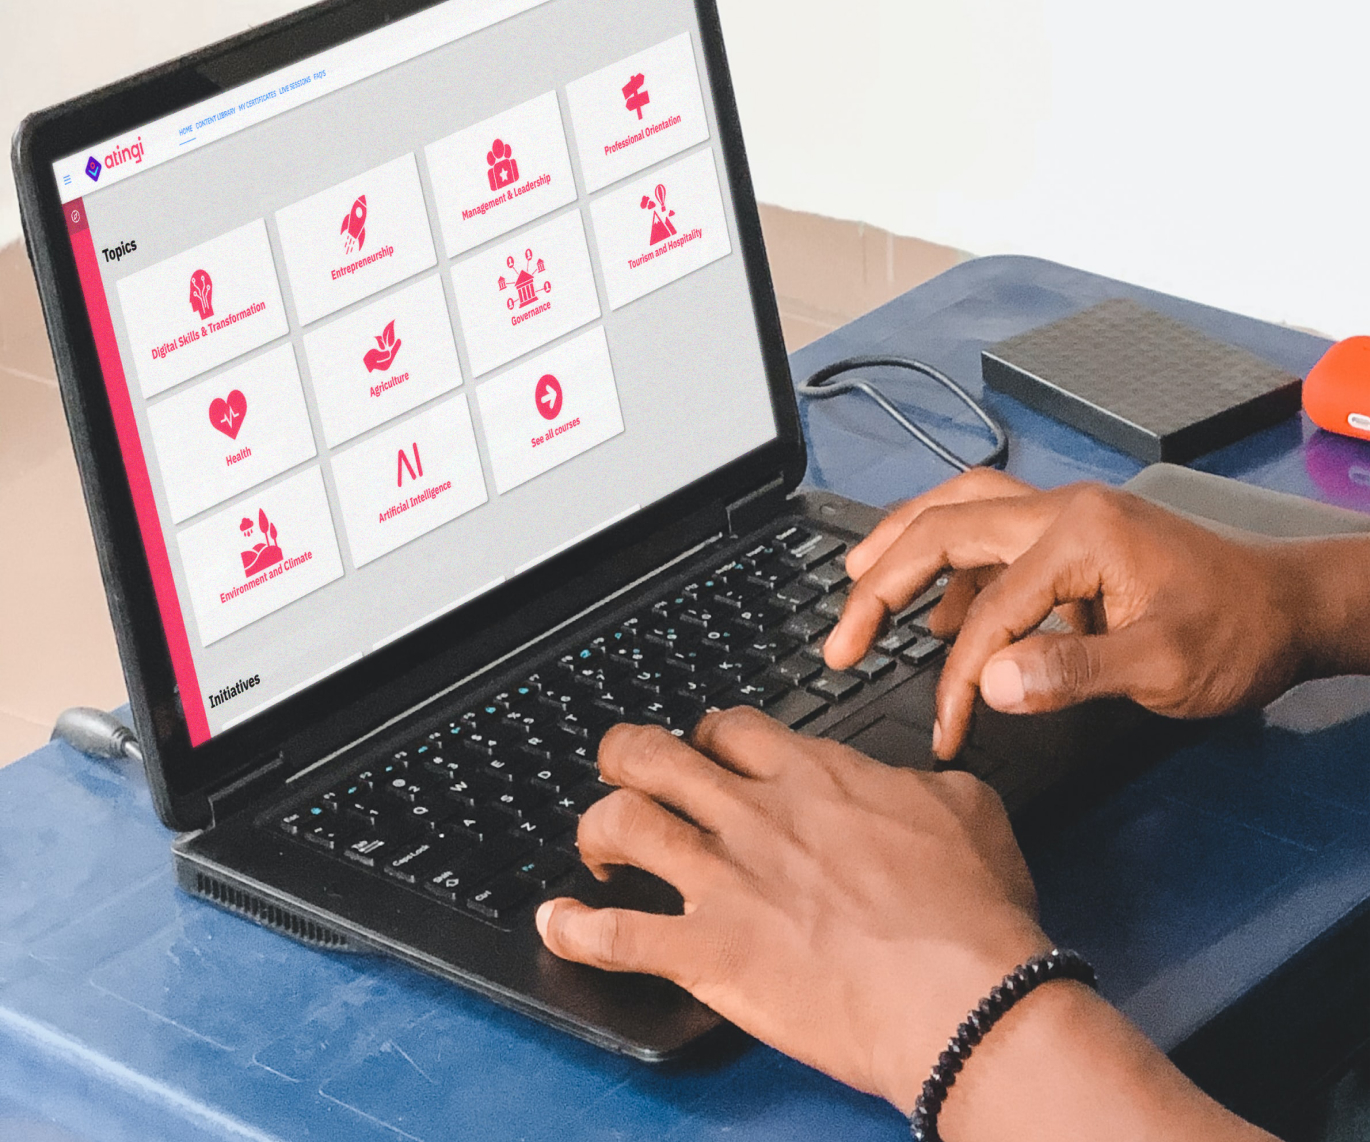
(1141, 382)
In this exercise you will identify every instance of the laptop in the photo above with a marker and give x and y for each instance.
(429, 396)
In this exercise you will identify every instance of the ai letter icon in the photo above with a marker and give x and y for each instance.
(202, 294)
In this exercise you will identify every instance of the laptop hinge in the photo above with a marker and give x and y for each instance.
(231, 798)
(756, 508)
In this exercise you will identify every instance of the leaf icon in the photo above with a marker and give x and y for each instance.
(262, 521)
(273, 533)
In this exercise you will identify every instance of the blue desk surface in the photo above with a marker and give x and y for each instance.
(130, 1011)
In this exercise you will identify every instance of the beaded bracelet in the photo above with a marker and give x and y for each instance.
(1056, 964)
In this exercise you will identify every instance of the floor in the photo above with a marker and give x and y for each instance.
(56, 642)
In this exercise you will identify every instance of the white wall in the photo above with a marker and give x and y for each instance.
(1214, 148)
(1211, 148)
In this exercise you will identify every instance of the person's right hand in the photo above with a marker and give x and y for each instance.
(1184, 621)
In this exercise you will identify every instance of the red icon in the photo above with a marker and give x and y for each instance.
(504, 168)
(526, 284)
(662, 226)
(403, 465)
(227, 413)
(202, 294)
(548, 397)
(382, 358)
(634, 95)
(354, 226)
(265, 554)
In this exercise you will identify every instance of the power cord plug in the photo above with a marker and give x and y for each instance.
(97, 734)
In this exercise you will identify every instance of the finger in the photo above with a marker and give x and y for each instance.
(629, 828)
(1057, 570)
(945, 619)
(1052, 671)
(977, 484)
(746, 741)
(613, 938)
(960, 536)
(655, 762)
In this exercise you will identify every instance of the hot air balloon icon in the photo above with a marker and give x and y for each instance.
(662, 226)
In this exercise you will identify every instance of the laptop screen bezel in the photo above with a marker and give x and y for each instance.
(338, 710)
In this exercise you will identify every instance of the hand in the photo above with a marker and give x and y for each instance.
(1184, 621)
(847, 913)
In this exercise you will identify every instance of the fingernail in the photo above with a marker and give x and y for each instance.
(1001, 684)
(544, 914)
(936, 734)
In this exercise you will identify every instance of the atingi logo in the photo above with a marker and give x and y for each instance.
(131, 153)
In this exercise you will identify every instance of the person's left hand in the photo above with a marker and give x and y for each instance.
(845, 912)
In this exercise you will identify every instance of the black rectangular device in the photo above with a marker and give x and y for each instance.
(432, 412)
(1142, 382)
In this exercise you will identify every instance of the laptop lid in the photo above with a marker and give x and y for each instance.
(392, 335)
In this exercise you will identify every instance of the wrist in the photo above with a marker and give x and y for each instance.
(1325, 594)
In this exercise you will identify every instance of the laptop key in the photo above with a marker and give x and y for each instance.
(922, 651)
(331, 834)
(897, 640)
(812, 552)
(545, 867)
(702, 689)
(294, 823)
(673, 713)
(829, 577)
(806, 626)
(773, 647)
(556, 777)
(518, 802)
(502, 896)
(371, 851)
(735, 596)
(795, 597)
(760, 617)
(799, 669)
(575, 801)
(739, 668)
(834, 686)
(873, 666)
(419, 860)
(831, 606)
(454, 881)
(924, 601)
(797, 708)
(473, 825)
(761, 693)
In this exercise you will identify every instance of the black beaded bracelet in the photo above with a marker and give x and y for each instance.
(1055, 964)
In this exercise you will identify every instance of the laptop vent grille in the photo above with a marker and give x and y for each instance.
(269, 915)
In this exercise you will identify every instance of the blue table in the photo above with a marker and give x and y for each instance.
(130, 1011)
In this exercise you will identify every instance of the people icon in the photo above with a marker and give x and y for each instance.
(504, 168)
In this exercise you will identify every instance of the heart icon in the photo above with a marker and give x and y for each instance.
(228, 414)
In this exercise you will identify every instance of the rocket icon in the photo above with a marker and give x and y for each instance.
(354, 226)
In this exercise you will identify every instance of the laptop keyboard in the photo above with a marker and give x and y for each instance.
(480, 810)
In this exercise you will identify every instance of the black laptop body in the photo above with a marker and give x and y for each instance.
(432, 412)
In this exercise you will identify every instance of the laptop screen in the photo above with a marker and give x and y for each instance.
(389, 327)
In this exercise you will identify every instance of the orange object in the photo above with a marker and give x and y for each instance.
(1336, 394)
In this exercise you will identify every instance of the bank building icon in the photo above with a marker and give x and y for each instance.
(526, 286)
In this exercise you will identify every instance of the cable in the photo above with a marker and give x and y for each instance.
(818, 387)
(97, 734)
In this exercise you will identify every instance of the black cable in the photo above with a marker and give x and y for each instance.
(820, 387)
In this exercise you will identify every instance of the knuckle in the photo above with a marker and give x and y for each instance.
(1070, 664)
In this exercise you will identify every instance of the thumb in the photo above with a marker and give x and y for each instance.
(1047, 672)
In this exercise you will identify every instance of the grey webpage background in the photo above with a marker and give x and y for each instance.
(687, 359)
